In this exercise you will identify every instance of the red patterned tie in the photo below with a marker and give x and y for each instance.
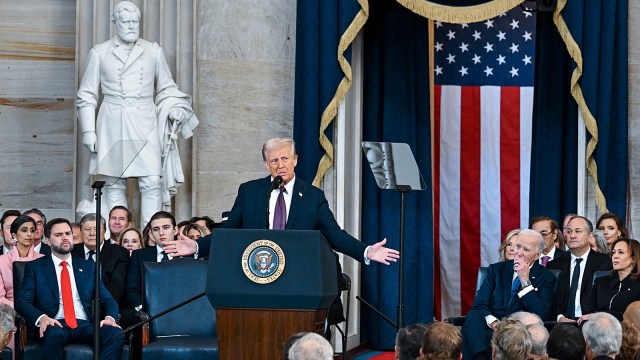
(67, 297)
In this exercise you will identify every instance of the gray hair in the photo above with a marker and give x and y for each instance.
(124, 6)
(92, 217)
(311, 347)
(278, 143)
(537, 235)
(601, 243)
(539, 336)
(7, 318)
(603, 334)
(526, 318)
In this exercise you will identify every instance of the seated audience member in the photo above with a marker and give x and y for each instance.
(632, 314)
(521, 284)
(615, 292)
(603, 336)
(7, 327)
(612, 227)
(526, 318)
(131, 239)
(441, 341)
(311, 347)
(66, 318)
(5, 230)
(114, 258)
(630, 342)
(539, 336)
(292, 339)
(408, 341)
(597, 242)
(511, 341)
(164, 229)
(120, 218)
(194, 231)
(573, 296)
(23, 230)
(565, 221)
(566, 342)
(39, 244)
(206, 222)
(77, 233)
(508, 246)
(147, 236)
(548, 228)
(182, 224)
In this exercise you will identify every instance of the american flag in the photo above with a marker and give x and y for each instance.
(482, 147)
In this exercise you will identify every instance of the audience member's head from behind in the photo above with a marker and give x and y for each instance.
(632, 314)
(311, 346)
(7, 327)
(630, 341)
(89, 228)
(526, 318)
(603, 335)
(539, 336)
(292, 339)
(548, 228)
(408, 342)
(163, 228)
(441, 341)
(508, 247)
(611, 226)
(566, 342)
(131, 239)
(511, 341)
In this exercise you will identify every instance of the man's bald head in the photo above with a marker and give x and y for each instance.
(632, 314)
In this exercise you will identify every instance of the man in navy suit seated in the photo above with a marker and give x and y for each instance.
(306, 208)
(56, 296)
(521, 284)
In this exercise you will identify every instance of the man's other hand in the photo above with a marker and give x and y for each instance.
(377, 252)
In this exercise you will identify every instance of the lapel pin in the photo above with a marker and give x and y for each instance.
(80, 269)
(300, 194)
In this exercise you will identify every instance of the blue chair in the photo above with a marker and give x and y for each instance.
(459, 320)
(188, 332)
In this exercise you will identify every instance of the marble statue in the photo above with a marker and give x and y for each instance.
(140, 117)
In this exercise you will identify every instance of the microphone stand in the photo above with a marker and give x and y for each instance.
(98, 185)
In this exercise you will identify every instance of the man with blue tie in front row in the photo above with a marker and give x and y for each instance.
(521, 284)
(56, 296)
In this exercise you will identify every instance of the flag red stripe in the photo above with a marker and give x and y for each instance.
(469, 191)
(510, 159)
(436, 201)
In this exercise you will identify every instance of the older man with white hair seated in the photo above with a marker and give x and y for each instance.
(311, 347)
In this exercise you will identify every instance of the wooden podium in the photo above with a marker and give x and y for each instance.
(267, 285)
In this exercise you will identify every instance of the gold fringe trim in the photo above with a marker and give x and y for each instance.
(576, 92)
(459, 14)
(329, 113)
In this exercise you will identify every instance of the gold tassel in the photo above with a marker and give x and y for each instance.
(329, 113)
(576, 91)
(459, 14)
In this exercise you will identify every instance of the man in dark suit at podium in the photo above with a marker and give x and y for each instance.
(282, 201)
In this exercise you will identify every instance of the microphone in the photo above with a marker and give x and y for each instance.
(275, 183)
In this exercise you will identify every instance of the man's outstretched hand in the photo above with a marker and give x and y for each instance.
(377, 252)
(181, 247)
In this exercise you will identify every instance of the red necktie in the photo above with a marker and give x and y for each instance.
(67, 297)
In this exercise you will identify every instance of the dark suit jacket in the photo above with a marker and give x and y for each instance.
(39, 293)
(45, 249)
(309, 211)
(595, 261)
(134, 274)
(115, 261)
(613, 296)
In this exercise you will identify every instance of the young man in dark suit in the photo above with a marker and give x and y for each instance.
(579, 267)
(305, 208)
(113, 258)
(56, 296)
(548, 228)
(39, 245)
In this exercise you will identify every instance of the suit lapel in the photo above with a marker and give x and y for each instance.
(507, 281)
(51, 278)
(296, 202)
(135, 54)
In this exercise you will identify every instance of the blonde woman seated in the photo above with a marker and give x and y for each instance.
(131, 239)
(508, 247)
(22, 230)
(194, 231)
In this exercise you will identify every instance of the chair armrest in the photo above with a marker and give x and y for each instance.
(145, 328)
(20, 336)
